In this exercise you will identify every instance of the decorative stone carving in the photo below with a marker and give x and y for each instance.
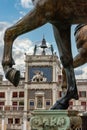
(75, 122)
(54, 120)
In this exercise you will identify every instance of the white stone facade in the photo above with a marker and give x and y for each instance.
(41, 77)
(39, 89)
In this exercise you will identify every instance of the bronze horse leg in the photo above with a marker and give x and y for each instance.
(77, 61)
(23, 26)
(64, 45)
(81, 57)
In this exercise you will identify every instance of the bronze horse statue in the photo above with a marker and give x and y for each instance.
(61, 14)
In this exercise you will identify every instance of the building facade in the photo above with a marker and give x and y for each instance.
(38, 89)
(81, 104)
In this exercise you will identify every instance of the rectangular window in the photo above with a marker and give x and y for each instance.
(17, 121)
(15, 94)
(31, 103)
(10, 120)
(82, 94)
(84, 105)
(47, 103)
(60, 93)
(70, 105)
(21, 103)
(14, 105)
(60, 78)
(2, 103)
(21, 94)
(2, 94)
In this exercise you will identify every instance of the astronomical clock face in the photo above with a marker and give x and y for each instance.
(39, 73)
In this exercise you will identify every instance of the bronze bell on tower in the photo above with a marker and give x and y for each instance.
(43, 46)
(43, 43)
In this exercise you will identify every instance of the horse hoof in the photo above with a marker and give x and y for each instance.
(13, 76)
(60, 106)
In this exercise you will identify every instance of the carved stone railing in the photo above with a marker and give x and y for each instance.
(55, 120)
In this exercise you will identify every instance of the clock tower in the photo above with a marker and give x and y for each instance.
(41, 77)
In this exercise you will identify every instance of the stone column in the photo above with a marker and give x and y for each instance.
(54, 72)
(43, 102)
(8, 97)
(24, 125)
(25, 98)
(55, 120)
(3, 122)
(54, 91)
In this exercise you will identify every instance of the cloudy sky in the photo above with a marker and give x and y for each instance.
(13, 10)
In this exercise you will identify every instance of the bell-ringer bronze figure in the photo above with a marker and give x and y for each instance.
(61, 14)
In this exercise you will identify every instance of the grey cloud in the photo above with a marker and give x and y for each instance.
(1, 28)
(26, 3)
(79, 72)
(17, 54)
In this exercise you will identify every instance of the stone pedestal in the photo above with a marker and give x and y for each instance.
(55, 120)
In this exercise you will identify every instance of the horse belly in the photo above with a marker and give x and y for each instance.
(74, 11)
(79, 8)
